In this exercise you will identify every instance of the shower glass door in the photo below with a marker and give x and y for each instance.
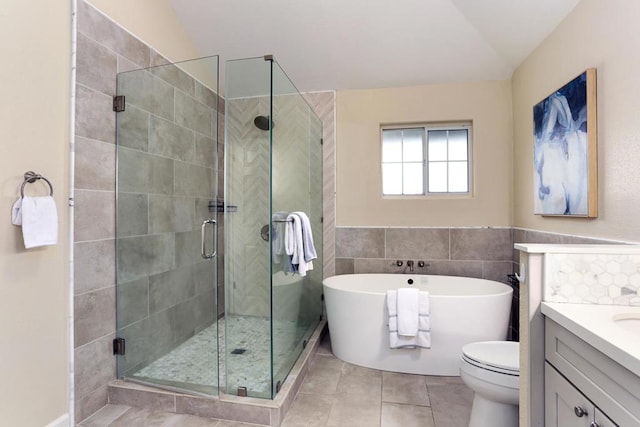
(167, 169)
(247, 358)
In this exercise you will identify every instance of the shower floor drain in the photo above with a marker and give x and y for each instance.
(238, 351)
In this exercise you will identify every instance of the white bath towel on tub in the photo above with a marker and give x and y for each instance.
(423, 336)
(408, 306)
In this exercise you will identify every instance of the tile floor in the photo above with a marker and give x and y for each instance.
(336, 394)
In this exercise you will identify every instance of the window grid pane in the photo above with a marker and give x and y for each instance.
(392, 146)
(437, 177)
(412, 178)
(421, 161)
(437, 145)
(392, 178)
(458, 180)
(457, 145)
(450, 150)
(411, 148)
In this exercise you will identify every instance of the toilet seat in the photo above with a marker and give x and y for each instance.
(492, 370)
(494, 362)
(497, 356)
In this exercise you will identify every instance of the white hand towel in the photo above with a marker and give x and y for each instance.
(307, 237)
(424, 318)
(408, 304)
(424, 323)
(424, 339)
(398, 341)
(392, 303)
(294, 244)
(424, 307)
(39, 220)
(421, 339)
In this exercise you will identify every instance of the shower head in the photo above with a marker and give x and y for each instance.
(262, 122)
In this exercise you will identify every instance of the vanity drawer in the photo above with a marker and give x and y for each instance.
(609, 385)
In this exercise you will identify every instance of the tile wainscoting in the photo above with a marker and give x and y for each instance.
(470, 252)
(481, 252)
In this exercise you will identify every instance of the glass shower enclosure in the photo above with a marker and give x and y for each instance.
(273, 167)
(206, 300)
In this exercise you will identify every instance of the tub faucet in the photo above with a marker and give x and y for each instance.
(410, 265)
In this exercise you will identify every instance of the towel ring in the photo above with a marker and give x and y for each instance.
(31, 177)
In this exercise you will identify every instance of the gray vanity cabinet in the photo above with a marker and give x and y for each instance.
(565, 406)
(584, 387)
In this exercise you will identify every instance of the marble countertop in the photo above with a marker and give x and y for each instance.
(595, 325)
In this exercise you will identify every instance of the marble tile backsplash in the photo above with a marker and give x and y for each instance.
(592, 278)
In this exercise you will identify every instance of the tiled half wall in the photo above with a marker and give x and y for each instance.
(482, 252)
(471, 252)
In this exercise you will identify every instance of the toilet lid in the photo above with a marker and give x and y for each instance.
(498, 354)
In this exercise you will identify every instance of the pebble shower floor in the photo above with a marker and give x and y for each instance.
(195, 362)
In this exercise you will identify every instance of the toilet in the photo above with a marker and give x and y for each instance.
(492, 370)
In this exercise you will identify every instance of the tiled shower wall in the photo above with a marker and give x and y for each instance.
(248, 190)
(295, 160)
(105, 49)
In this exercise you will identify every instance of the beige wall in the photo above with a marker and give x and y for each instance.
(154, 22)
(359, 183)
(596, 34)
(35, 40)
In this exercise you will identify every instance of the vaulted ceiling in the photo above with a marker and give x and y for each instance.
(362, 44)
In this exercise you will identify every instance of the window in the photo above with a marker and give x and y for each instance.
(427, 159)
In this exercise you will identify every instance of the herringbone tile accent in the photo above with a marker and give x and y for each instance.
(248, 188)
(294, 186)
(323, 104)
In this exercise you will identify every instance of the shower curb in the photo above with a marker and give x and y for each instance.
(225, 407)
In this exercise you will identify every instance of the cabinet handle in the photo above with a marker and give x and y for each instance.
(580, 411)
(594, 424)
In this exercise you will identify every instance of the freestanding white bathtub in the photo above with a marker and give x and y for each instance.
(463, 310)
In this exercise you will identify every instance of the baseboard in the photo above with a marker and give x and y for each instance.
(61, 421)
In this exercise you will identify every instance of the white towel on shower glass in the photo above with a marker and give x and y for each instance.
(307, 237)
(294, 244)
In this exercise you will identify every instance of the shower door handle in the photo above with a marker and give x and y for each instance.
(204, 253)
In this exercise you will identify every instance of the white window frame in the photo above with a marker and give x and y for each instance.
(427, 127)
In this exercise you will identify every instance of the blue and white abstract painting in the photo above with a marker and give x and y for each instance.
(561, 161)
